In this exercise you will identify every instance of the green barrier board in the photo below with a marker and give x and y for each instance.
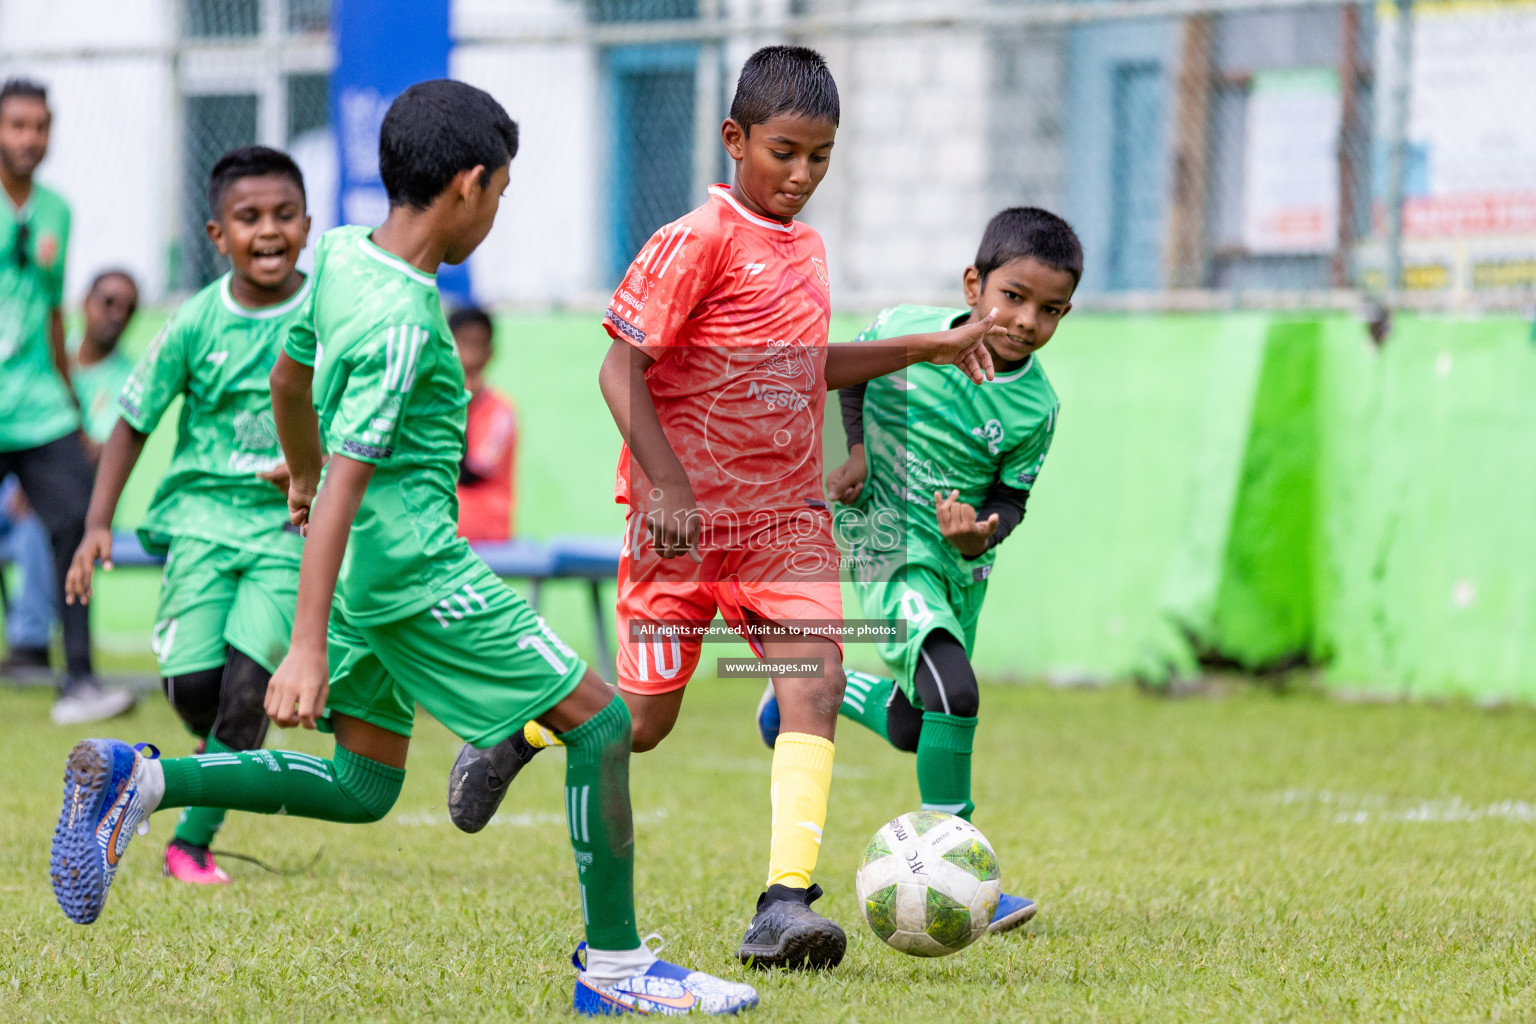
(1247, 488)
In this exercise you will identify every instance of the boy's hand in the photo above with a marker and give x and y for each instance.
(846, 482)
(963, 347)
(277, 476)
(298, 689)
(674, 522)
(957, 522)
(77, 582)
(301, 495)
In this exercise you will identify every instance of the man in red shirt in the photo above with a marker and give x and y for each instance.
(486, 484)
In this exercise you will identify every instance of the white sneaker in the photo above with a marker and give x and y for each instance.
(85, 700)
(662, 989)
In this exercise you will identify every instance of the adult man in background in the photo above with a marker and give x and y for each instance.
(40, 438)
(97, 372)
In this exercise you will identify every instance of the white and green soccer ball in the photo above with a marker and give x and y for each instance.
(929, 883)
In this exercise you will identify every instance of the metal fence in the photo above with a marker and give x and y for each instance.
(1211, 153)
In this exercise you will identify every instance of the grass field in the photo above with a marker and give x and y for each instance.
(1248, 857)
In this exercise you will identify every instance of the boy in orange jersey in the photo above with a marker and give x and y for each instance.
(487, 485)
(717, 378)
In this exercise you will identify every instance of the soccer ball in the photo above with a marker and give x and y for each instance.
(929, 883)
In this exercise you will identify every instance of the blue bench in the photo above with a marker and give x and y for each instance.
(592, 559)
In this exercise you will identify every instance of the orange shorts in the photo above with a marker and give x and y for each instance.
(779, 573)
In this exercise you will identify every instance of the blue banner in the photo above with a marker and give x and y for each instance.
(382, 47)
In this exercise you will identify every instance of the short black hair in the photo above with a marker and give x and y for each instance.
(436, 129)
(471, 315)
(249, 162)
(784, 80)
(112, 272)
(1021, 231)
(23, 88)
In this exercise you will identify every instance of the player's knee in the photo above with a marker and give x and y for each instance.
(825, 695)
(242, 721)
(965, 698)
(648, 735)
(194, 696)
(945, 681)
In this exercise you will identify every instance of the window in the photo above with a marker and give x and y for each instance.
(212, 125)
(218, 19)
(1136, 194)
(652, 90)
(641, 10)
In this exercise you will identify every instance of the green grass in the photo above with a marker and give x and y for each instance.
(1253, 857)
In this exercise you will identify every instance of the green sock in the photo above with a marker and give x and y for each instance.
(864, 701)
(601, 825)
(944, 763)
(348, 788)
(198, 825)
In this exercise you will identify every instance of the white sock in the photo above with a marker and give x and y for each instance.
(607, 967)
(152, 785)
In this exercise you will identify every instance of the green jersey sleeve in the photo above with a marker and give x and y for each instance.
(381, 370)
(159, 379)
(1021, 466)
(301, 344)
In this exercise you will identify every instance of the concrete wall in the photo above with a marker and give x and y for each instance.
(939, 131)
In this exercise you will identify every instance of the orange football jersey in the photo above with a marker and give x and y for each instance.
(734, 309)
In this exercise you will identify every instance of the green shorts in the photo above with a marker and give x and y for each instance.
(213, 597)
(928, 600)
(480, 660)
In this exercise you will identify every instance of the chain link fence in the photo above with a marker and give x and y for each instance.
(1211, 153)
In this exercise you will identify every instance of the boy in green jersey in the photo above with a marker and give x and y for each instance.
(220, 515)
(938, 474)
(393, 607)
(98, 369)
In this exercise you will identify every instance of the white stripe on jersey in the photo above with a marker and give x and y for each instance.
(645, 259)
(678, 244)
(418, 342)
(402, 356)
(389, 359)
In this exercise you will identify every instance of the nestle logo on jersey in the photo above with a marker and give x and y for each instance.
(635, 290)
(777, 398)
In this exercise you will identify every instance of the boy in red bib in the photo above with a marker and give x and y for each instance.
(717, 378)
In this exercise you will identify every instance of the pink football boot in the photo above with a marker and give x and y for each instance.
(192, 864)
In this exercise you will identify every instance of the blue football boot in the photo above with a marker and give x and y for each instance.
(768, 717)
(661, 988)
(1012, 911)
(109, 789)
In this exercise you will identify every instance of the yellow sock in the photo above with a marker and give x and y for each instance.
(539, 737)
(802, 777)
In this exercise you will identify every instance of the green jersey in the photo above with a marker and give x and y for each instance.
(929, 428)
(35, 404)
(96, 389)
(216, 356)
(389, 390)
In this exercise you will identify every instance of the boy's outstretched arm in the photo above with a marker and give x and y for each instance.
(674, 520)
(297, 692)
(298, 431)
(846, 482)
(118, 457)
(855, 361)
